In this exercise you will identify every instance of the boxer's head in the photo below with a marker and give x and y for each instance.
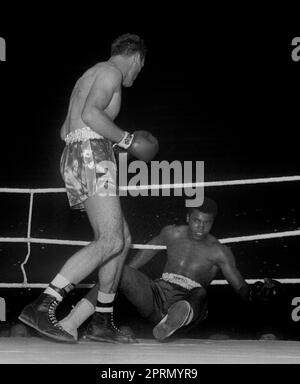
(200, 219)
(132, 50)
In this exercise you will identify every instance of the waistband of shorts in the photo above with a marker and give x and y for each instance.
(180, 280)
(82, 134)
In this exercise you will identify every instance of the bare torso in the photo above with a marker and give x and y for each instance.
(191, 258)
(79, 95)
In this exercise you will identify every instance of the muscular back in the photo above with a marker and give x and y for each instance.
(81, 92)
(191, 258)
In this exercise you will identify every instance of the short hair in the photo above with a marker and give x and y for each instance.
(208, 206)
(128, 44)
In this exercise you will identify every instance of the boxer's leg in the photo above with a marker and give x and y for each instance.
(138, 290)
(185, 312)
(107, 221)
(86, 306)
(135, 286)
(177, 316)
(102, 326)
(81, 166)
(197, 299)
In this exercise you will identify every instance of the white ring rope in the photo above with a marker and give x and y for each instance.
(30, 239)
(214, 282)
(263, 180)
(227, 240)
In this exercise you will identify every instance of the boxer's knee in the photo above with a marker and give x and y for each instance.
(113, 244)
(116, 245)
(107, 246)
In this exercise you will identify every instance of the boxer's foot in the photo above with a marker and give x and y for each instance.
(177, 316)
(103, 328)
(40, 315)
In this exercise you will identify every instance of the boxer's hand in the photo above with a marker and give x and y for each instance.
(265, 291)
(140, 144)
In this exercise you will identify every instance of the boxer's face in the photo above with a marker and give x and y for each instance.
(200, 224)
(135, 68)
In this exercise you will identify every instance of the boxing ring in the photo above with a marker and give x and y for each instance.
(188, 351)
(184, 351)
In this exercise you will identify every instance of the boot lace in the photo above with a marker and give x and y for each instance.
(112, 322)
(51, 314)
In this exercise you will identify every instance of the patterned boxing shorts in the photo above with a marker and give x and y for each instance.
(88, 166)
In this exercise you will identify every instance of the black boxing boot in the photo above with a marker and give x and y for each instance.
(103, 328)
(40, 315)
(177, 317)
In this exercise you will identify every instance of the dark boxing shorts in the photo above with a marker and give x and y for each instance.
(166, 293)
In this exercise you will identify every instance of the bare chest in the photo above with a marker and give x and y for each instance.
(190, 259)
(113, 109)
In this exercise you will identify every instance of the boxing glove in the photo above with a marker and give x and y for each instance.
(140, 144)
(265, 291)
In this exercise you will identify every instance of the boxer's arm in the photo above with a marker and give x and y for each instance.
(144, 255)
(99, 97)
(226, 262)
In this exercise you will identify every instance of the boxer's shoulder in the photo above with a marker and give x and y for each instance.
(101, 73)
(214, 242)
(107, 69)
(173, 231)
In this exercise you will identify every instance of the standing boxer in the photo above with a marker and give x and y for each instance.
(90, 132)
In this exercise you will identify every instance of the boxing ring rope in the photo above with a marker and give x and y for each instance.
(29, 240)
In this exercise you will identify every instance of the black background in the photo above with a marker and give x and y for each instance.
(222, 93)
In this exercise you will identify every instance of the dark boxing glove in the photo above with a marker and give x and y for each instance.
(140, 144)
(265, 291)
